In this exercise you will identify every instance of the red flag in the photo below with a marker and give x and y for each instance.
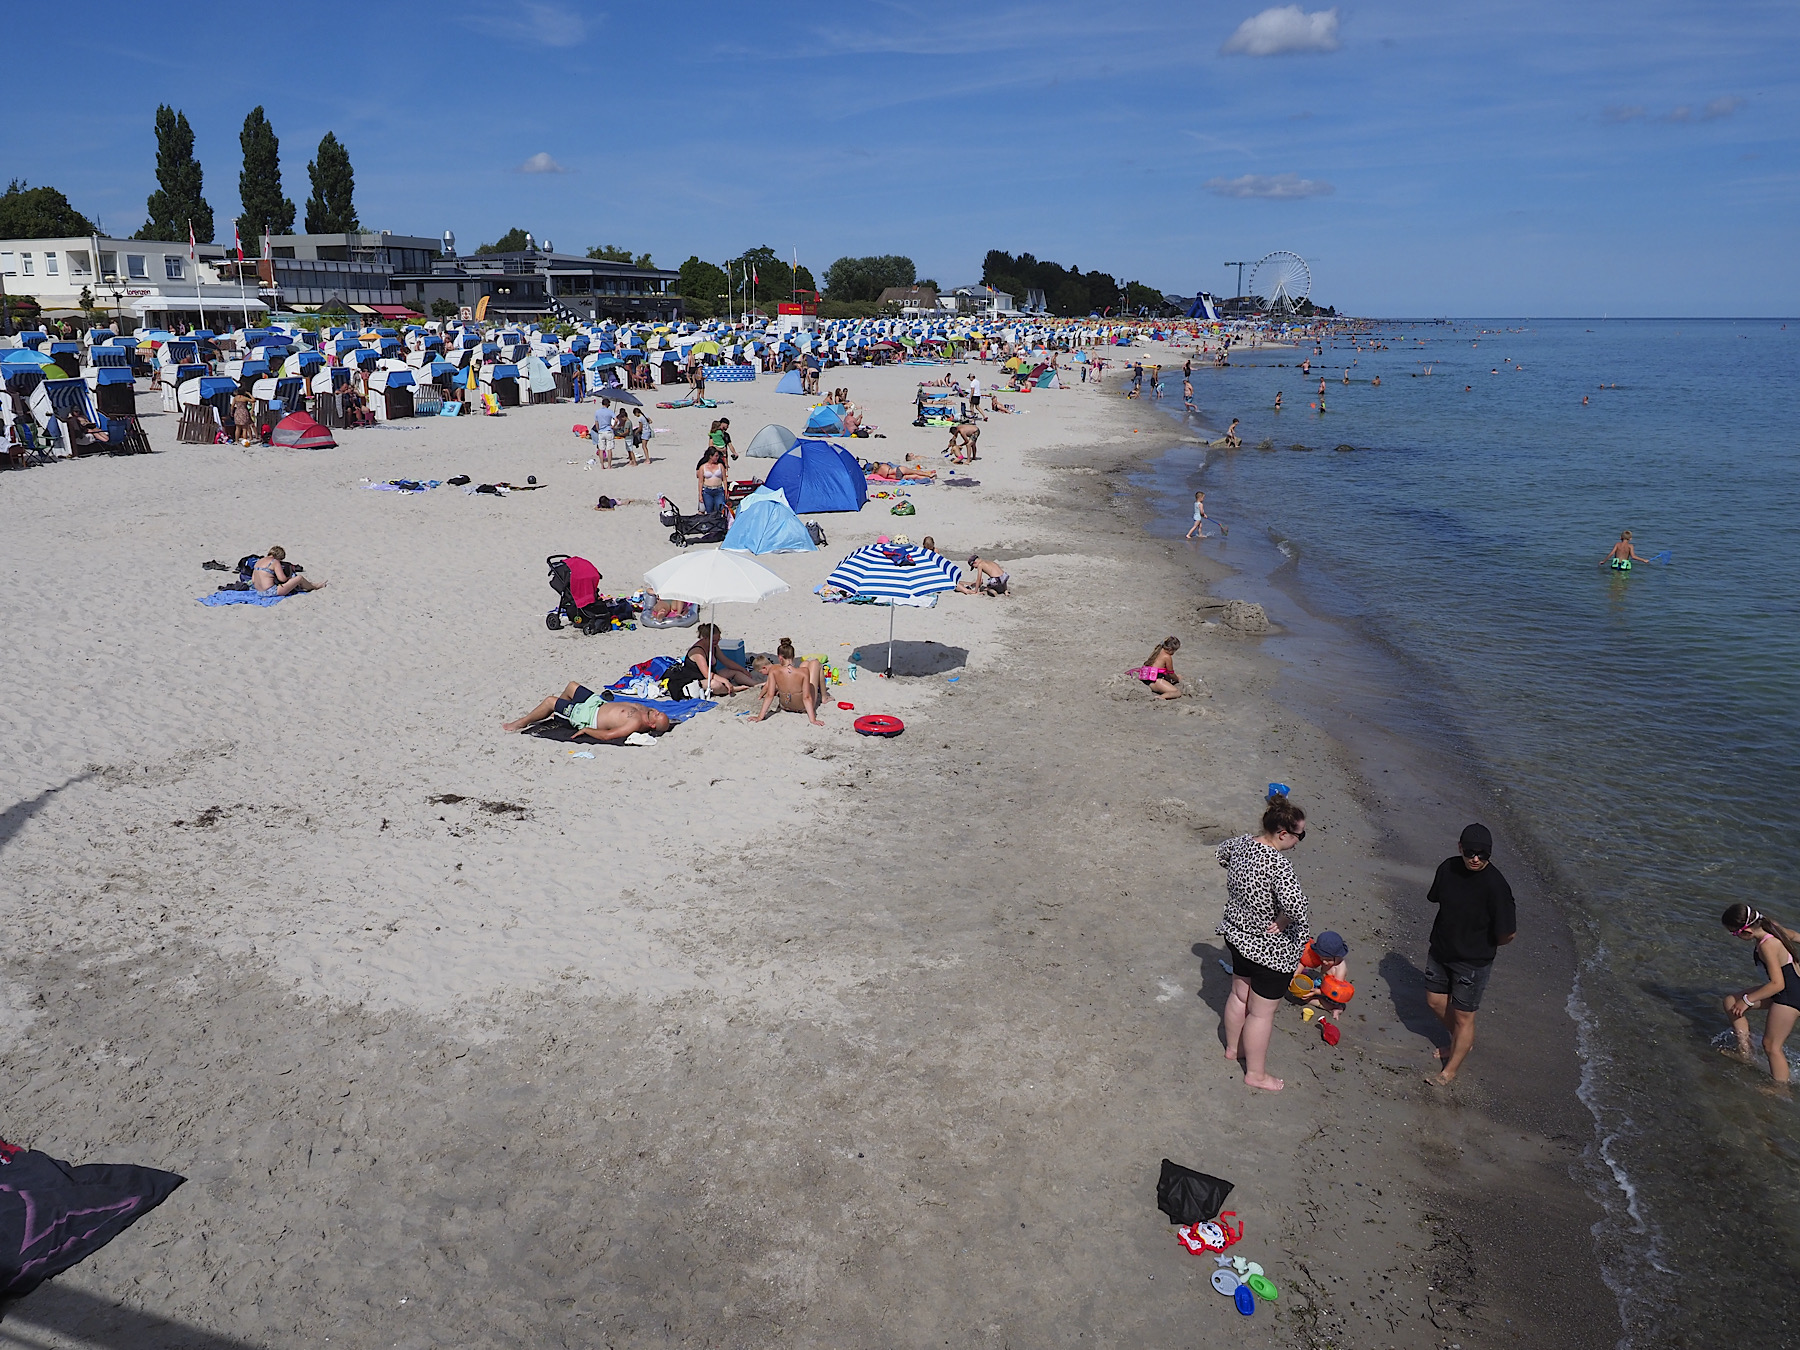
(190, 241)
(754, 279)
(238, 240)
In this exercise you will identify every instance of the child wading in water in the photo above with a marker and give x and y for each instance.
(1776, 947)
(1200, 517)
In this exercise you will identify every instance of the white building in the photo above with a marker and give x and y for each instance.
(136, 283)
(979, 299)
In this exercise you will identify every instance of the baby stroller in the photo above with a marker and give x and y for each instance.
(576, 583)
(685, 530)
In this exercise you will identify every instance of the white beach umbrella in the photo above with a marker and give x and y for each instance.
(713, 577)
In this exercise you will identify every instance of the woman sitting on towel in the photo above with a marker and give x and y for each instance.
(706, 671)
(271, 576)
(798, 686)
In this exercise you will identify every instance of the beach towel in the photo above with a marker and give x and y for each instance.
(262, 598)
(53, 1215)
(676, 709)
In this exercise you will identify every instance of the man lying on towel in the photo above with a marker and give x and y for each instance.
(594, 715)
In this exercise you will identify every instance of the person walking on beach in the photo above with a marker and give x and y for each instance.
(1199, 525)
(1266, 928)
(1776, 947)
(1187, 394)
(1475, 918)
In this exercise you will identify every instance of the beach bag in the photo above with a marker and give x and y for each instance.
(816, 532)
(1190, 1197)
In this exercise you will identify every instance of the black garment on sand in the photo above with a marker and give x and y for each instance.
(1475, 910)
(53, 1215)
(1187, 1196)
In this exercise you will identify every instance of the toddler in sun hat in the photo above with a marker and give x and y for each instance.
(1322, 983)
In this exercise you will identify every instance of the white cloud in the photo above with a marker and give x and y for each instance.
(1721, 107)
(541, 163)
(1624, 112)
(1287, 28)
(532, 23)
(1276, 187)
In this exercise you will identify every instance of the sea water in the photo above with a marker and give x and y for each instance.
(1644, 727)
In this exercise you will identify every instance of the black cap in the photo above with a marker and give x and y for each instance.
(1477, 842)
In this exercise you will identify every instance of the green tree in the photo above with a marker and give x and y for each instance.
(644, 262)
(858, 279)
(332, 207)
(443, 309)
(609, 253)
(39, 213)
(176, 204)
(513, 241)
(701, 281)
(259, 184)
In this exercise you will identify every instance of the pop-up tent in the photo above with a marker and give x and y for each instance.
(827, 418)
(300, 432)
(791, 383)
(772, 442)
(767, 524)
(817, 476)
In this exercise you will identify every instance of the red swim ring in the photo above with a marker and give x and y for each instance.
(879, 724)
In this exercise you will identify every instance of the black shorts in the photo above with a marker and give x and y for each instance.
(1265, 982)
(1464, 981)
(582, 695)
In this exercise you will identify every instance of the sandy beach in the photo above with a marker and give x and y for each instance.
(764, 1033)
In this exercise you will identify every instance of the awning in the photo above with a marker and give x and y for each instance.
(304, 309)
(362, 309)
(393, 311)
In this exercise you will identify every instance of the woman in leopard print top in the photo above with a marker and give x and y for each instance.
(1266, 925)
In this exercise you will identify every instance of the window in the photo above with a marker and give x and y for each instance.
(109, 266)
(134, 267)
(7, 265)
(172, 267)
(25, 261)
(49, 264)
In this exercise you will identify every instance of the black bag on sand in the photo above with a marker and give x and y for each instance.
(53, 1215)
(1187, 1196)
(816, 532)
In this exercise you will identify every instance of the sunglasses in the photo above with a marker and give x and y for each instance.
(1299, 835)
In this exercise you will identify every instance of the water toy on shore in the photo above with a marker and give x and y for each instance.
(879, 724)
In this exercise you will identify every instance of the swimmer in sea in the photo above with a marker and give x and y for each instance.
(1624, 553)
(1278, 400)
(1376, 381)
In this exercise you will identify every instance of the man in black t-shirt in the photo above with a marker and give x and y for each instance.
(1475, 919)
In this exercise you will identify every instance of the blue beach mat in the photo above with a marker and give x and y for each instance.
(241, 598)
(675, 709)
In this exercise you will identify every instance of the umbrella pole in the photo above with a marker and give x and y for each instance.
(890, 668)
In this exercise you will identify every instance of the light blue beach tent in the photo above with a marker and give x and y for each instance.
(827, 418)
(772, 442)
(767, 524)
(790, 384)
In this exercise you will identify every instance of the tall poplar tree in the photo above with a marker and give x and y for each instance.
(259, 185)
(177, 202)
(331, 209)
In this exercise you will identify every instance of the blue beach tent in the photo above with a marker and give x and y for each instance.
(790, 384)
(828, 418)
(767, 524)
(817, 476)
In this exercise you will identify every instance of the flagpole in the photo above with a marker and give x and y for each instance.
(194, 260)
(243, 297)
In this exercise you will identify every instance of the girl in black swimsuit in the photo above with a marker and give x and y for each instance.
(1776, 945)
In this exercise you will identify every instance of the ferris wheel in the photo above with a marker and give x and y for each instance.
(1282, 279)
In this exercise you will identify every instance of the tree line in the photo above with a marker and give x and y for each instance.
(1068, 291)
(179, 200)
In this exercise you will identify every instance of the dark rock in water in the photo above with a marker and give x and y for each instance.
(1266, 443)
(1297, 446)
(1243, 617)
(1345, 447)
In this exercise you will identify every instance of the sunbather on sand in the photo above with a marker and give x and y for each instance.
(594, 715)
(798, 686)
(271, 575)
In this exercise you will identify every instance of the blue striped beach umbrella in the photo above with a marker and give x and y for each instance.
(895, 574)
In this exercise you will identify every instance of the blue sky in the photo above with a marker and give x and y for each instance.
(1427, 158)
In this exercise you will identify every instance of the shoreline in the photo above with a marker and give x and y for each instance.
(756, 1035)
